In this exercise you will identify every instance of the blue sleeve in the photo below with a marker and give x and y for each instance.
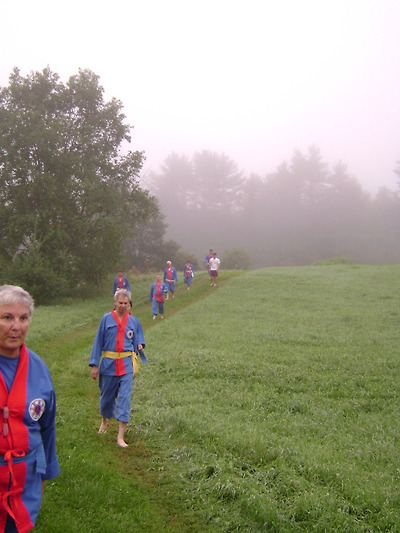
(139, 338)
(151, 293)
(98, 344)
(176, 275)
(115, 286)
(165, 275)
(48, 432)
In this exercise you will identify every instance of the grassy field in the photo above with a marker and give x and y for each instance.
(270, 403)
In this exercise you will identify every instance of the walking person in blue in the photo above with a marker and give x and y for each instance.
(207, 260)
(170, 278)
(157, 291)
(188, 274)
(119, 338)
(121, 282)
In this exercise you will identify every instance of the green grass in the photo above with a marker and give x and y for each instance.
(270, 403)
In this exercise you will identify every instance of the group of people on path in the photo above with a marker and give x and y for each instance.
(28, 454)
(161, 289)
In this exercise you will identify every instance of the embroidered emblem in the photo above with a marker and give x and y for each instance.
(36, 408)
(130, 334)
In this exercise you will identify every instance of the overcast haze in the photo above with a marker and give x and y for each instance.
(254, 80)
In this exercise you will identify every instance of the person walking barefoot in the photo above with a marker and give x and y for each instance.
(214, 268)
(119, 337)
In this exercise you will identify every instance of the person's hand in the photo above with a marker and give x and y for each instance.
(94, 372)
(140, 347)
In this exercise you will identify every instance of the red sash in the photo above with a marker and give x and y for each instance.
(120, 283)
(119, 344)
(159, 297)
(169, 274)
(14, 442)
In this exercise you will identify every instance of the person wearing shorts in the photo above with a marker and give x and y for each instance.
(214, 268)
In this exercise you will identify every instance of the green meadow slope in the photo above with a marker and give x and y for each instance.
(270, 403)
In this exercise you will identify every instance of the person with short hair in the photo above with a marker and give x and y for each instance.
(121, 282)
(188, 274)
(118, 339)
(28, 454)
(157, 291)
(170, 278)
(214, 268)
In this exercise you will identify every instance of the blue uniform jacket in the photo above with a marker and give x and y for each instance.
(106, 338)
(174, 274)
(125, 285)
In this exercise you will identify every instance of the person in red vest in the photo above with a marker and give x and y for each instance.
(27, 417)
(157, 291)
(118, 339)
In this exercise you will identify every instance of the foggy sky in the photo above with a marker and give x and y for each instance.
(253, 79)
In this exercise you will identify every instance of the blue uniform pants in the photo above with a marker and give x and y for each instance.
(154, 307)
(115, 396)
(170, 286)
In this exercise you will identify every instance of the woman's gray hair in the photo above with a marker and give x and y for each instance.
(122, 292)
(12, 294)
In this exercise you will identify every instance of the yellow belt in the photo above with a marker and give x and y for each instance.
(117, 355)
(121, 355)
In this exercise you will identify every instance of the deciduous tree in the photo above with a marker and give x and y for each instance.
(68, 191)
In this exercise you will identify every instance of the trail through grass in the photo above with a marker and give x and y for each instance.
(269, 404)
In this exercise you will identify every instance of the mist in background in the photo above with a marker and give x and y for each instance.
(304, 212)
(255, 80)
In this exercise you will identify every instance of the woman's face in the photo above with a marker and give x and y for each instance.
(14, 323)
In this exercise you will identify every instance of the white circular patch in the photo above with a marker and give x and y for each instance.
(36, 408)
(130, 334)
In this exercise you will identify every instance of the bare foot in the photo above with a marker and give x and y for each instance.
(103, 428)
(121, 443)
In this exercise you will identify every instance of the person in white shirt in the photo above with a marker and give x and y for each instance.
(214, 265)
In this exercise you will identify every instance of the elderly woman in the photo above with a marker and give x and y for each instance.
(27, 417)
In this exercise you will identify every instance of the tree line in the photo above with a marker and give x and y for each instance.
(73, 208)
(303, 212)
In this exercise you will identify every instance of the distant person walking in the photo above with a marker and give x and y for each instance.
(214, 268)
(188, 274)
(170, 278)
(121, 282)
(157, 291)
(119, 338)
(207, 260)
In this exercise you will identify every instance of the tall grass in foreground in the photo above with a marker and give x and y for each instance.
(270, 405)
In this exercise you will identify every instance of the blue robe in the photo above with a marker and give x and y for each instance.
(125, 285)
(39, 420)
(174, 279)
(157, 302)
(188, 274)
(115, 376)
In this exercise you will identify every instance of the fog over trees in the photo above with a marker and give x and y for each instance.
(305, 211)
(72, 208)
